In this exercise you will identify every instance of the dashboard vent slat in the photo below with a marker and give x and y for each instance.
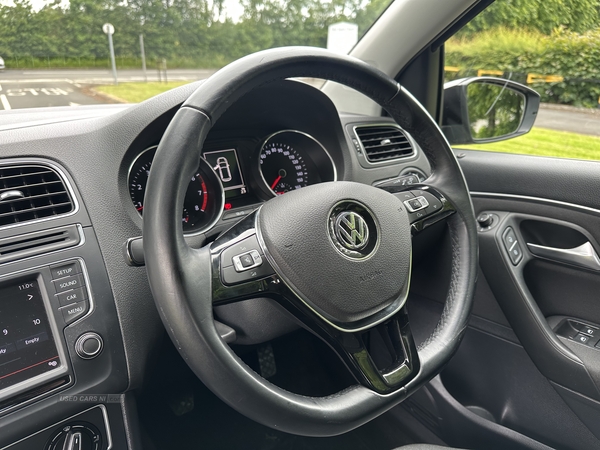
(30, 192)
(383, 142)
(37, 243)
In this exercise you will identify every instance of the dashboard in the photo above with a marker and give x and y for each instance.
(78, 325)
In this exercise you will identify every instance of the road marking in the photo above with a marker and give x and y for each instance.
(4, 102)
(74, 104)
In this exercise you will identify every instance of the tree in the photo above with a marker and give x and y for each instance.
(541, 15)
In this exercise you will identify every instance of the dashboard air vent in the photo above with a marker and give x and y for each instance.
(382, 142)
(29, 192)
(37, 243)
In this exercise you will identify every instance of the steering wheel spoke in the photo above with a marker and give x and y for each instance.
(383, 358)
(425, 204)
(240, 269)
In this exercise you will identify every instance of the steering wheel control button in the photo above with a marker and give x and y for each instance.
(416, 204)
(68, 283)
(246, 246)
(73, 312)
(89, 345)
(65, 270)
(406, 195)
(74, 296)
(231, 276)
(512, 246)
(247, 261)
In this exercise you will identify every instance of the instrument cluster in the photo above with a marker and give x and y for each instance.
(239, 175)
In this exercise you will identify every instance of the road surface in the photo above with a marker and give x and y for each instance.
(575, 120)
(101, 76)
(38, 88)
(33, 94)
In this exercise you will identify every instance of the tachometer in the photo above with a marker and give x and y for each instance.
(204, 198)
(291, 160)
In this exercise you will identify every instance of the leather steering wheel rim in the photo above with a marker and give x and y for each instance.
(180, 277)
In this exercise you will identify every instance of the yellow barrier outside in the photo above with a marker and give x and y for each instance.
(481, 73)
(535, 78)
(531, 77)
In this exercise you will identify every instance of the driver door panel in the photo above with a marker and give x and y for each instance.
(521, 367)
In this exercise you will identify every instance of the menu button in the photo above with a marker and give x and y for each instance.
(75, 311)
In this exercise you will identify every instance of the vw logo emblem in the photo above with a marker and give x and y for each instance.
(351, 230)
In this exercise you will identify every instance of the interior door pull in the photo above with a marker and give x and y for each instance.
(584, 255)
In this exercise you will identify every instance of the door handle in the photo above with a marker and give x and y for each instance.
(585, 255)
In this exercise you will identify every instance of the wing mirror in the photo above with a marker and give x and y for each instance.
(487, 109)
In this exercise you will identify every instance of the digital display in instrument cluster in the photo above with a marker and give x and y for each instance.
(227, 166)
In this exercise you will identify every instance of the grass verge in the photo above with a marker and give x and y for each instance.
(544, 142)
(137, 92)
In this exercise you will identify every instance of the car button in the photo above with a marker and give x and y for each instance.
(74, 296)
(75, 311)
(68, 283)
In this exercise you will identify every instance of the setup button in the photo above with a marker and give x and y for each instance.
(65, 270)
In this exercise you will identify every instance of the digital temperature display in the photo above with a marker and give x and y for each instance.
(27, 347)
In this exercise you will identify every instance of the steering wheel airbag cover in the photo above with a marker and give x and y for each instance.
(296, 231)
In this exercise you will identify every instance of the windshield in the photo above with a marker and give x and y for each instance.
(83, 52)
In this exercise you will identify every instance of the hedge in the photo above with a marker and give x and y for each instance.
(576, 57)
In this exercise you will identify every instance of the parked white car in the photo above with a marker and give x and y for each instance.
(2, 67)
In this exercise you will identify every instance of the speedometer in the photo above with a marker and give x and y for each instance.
(291, 160)
(204, 197)
(283, 168)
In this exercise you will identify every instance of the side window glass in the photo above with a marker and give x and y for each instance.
(551, 46)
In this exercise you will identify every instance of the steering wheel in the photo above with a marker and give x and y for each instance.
(337, 256)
